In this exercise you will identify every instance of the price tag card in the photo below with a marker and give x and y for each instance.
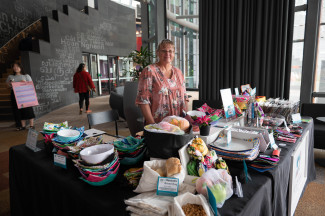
(228, 137)
(296, 118)
(236, 92)
(167, 186)
(60, 160)
(272, 141)
(32, 140)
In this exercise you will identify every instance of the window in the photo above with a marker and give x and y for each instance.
(182, 29)
(297, 51)
(319, 81)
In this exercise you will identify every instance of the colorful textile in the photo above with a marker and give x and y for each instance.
(264, 163)
(133, 176)
(165, 96)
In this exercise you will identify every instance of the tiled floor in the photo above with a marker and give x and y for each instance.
(312, 202)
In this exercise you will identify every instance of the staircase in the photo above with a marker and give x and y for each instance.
(9, 54)
(5, 103)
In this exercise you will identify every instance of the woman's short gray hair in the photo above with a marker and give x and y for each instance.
(164, 43)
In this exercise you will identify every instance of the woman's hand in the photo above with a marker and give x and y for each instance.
(9, 85)
(94, 89)
(146, 112)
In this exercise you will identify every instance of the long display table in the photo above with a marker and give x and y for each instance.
(38, 187)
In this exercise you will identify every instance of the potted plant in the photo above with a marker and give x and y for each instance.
(204, 124)
(141, 59)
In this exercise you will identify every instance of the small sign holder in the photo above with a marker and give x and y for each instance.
(296, 118)
(31, 141)
(167, 186)
(60, 160)
(228, 104)
(236, 92)
(272, 141)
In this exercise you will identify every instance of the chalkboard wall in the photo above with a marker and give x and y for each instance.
(110, 30)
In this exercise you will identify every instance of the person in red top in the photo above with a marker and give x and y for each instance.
(81, 84)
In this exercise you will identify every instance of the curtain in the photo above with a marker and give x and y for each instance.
(245, 42)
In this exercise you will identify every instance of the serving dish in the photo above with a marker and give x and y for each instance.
(195, 113)
(96, 154)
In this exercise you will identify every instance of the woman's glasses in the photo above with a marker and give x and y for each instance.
(167, 51)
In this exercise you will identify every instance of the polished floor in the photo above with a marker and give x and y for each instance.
(312, 202)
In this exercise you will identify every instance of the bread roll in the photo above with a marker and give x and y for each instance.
(173, 166)
(161, 172)
(182, 123)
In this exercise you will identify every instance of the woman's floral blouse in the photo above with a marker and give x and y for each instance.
(165, 96)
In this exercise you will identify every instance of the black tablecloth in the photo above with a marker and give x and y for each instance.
(38, 187)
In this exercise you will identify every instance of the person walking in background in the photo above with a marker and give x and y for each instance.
(83, 84)
(23, 114)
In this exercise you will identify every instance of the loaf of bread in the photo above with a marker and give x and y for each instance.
(173, 166)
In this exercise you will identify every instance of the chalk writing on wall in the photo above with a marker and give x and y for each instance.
(56, 74)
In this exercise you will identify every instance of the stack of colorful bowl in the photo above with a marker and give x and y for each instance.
(50, 128)
(98, 165)
(67, 138)
(130, 150)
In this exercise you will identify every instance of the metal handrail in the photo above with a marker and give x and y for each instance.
(19, 33)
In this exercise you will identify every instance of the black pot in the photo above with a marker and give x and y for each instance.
(205, 130)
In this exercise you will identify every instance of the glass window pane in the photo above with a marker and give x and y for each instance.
(93, 62)
(296, 68)
(112, 73)
(186, 40)
(299, 25)
(320, 68)
(319, 100)
(300, 2)
(125, 66)
(152, 19)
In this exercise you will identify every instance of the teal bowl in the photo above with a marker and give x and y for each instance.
(67, 135)
(132, 161)
(109, 179)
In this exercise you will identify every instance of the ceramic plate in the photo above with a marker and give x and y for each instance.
(235, 145)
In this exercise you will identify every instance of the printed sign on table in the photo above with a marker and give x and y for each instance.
(31, 141)
(167, 186)
(25, 94)
(228, 103)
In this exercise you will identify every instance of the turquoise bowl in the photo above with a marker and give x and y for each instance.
(132, 161)
(67, 135)
(109, 179)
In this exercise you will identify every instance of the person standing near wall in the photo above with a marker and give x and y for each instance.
(23, 114)
(83, 84)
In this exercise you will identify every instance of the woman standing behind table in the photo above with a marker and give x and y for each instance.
(82, 84)
(161, 89)
(21, 115)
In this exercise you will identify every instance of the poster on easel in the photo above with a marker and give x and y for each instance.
(25, 94)
(228, 104)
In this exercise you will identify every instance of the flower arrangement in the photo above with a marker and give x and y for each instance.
(203, 121)
(141, 59)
